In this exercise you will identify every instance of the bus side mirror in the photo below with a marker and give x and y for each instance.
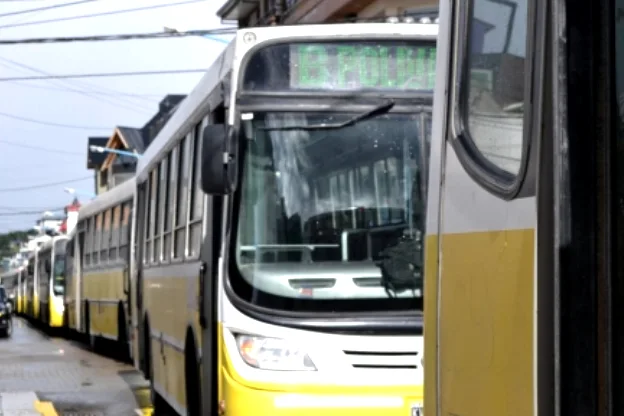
(48, 266)
(218, 164)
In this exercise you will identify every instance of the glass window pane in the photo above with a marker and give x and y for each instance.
(495, 96)
(183, 173)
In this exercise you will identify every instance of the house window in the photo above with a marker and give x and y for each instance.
(103, 178)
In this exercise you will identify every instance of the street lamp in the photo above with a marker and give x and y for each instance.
(101, 149)
(73, 191)
(168, 29)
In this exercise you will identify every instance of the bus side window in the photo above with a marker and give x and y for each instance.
(88, 241)
(490, 102)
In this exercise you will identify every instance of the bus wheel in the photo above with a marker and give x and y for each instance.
(146, 354)
(89, 338)
(193, 381)
(122, 337)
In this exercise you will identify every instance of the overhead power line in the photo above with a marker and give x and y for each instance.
(51, 123)
(104, 74)
(20, 213)
(81, 87)
(45, 149)
(40, 9)
(45, 185)
(31, 208)
(85, 16)
(115, 37)
(146, 97)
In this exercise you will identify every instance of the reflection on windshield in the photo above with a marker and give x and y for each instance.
(334, 214)
(59, 275)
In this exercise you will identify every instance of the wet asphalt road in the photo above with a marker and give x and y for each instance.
(76, 381)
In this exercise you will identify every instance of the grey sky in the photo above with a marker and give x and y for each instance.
(51, 101)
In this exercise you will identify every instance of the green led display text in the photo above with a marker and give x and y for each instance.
(362, 66)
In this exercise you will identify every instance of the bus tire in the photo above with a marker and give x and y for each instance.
(65, 325)
(147, 351)
(192, 377)
(122, 333)
(90, 340)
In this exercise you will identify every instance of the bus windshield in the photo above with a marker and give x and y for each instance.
(332, 216)
(58, 284)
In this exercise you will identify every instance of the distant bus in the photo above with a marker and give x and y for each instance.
(98, 279)
(50, 271)
(31, 298)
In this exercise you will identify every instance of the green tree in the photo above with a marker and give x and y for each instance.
(10, 242)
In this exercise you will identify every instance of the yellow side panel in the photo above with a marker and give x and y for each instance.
(431, 325)
(105, 320)
(486, 323)
(55, 314)
(167, 301)
(71, 314)
(106, 286)
(35, 314)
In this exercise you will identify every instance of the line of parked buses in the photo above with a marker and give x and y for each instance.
(309, 199)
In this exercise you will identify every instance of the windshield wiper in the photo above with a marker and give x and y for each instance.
(379, 110)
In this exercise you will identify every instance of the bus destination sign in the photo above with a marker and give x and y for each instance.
(363, 65)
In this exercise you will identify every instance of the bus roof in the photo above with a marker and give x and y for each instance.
(116, 195)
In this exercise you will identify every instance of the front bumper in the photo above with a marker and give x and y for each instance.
(241, 400)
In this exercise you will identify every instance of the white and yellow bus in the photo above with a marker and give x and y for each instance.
(293, 286)
(31, 298)
(525, 218)
(73, 264)
(20, 306)
(50, 271)
(98, 283)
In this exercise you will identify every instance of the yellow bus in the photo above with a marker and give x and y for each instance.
(294, 286)
(20, 307)
(98, 290)
(50, 270)
(525, 218)
(18, 293)
(31, 298)
(72, 269)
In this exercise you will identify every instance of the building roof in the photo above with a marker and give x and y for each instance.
(236, 9)
(133, 138)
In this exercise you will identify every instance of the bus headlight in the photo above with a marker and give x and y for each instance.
(273, 354)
